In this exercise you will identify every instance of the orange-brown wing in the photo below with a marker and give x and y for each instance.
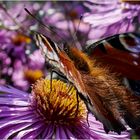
(120, 52)
(69, 69)
(105, 102)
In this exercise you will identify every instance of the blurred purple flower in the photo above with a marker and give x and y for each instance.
(14, 17)
(109, 17)
(36, 60)
(64, 19)
(25, 74)
(48, 115)
(17, 65)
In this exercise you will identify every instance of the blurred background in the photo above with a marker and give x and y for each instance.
(21, 63)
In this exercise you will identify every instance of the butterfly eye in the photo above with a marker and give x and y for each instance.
(66, 48)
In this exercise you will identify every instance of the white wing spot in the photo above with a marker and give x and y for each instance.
(135, 63)
(135, 55)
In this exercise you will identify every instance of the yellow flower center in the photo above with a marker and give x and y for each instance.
(57, 102)
(33, 75)
(20, 38)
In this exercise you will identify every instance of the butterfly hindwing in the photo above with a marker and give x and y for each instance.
(120, 52)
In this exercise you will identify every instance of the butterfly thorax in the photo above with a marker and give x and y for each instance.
(84, 64)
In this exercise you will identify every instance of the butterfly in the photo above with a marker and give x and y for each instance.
(104, 95)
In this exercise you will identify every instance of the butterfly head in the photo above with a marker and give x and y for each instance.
(48, 48)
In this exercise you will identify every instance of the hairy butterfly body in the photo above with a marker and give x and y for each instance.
(103, 94)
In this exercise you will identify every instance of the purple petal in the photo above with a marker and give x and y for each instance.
(48, 132)
(15, 102)
(14, 114)
(8, 131)
(103, 1)
(11, 95)
(69, 134)
(12, 124)
(60, 133)
(13, 90)
(34, 133)
(31, 132)
(6, 108)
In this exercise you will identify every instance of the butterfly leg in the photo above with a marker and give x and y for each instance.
(87, 118)
(77, 107)
(69, 88)
(63, 77)
(88, 105)
(51, 76)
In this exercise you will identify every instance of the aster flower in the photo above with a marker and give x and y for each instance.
(48, 113)
(14, 17)
(110, 17)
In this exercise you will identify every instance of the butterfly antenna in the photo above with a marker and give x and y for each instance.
(75, 34)
(45, 26)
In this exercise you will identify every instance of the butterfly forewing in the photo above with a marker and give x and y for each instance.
(58, 58)
(49, 49)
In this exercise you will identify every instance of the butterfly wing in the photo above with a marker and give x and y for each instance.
(59, 59)
(135, 86)
(120, 52)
